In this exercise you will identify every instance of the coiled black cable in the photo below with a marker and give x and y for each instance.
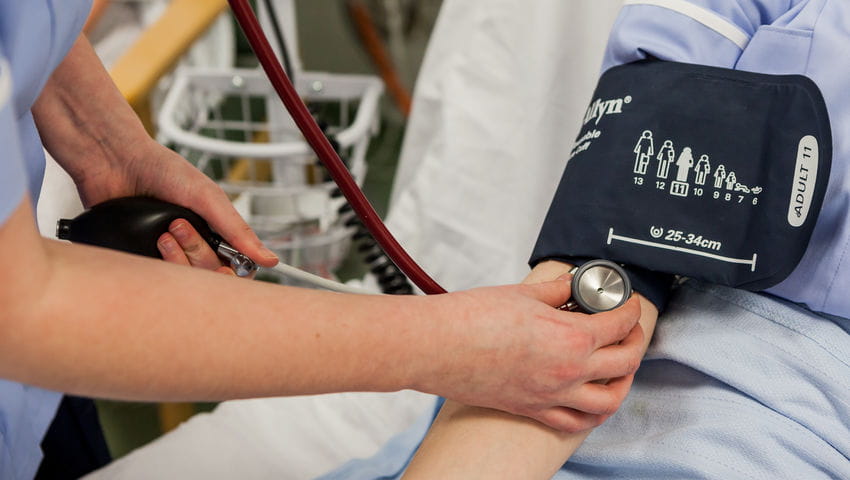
(390, 278)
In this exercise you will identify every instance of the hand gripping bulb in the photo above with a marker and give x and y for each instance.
(134, 224)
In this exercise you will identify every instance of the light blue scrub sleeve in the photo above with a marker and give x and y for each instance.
(13, 176)
(25, 412)
(704, 32)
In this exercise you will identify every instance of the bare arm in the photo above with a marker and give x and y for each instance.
(469, 442)
(101, 323)
(93, 321)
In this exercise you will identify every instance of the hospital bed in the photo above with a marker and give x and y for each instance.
(456, 135)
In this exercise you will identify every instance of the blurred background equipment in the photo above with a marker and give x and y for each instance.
(386, 64)
(231, 125)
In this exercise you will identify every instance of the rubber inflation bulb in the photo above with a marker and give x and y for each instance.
(132, 225)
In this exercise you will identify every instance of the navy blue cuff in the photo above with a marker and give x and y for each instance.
(655, 286)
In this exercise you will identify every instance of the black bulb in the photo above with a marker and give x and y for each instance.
(131, 224)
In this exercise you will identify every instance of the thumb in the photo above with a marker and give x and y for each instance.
(240, 236)
(223, 218)
(554, 293)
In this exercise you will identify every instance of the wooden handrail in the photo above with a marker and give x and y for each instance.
(161, 45)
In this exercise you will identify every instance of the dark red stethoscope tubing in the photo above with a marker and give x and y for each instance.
(316, 139)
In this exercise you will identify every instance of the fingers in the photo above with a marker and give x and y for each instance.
(594, 404)
(554, 293)
(617, 360)
(192, 249)
(227, 271)
(197, 250)
(568, 420)
(547, 270)
(171, 251)
(224, 219)
(603, 399)
(613, 326)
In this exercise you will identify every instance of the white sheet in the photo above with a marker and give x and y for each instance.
(499, 101)
(281, 438)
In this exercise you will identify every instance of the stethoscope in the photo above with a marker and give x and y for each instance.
(598, 286)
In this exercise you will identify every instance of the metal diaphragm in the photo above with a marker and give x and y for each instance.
(600, 285)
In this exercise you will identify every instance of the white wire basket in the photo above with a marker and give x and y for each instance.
(231, 125)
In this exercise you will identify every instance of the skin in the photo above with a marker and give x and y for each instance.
(470, 442)
(100, 323)
(97, 10)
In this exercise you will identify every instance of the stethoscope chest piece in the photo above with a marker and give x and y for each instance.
(599, 286)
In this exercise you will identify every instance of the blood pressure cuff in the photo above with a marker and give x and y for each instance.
(697, 171)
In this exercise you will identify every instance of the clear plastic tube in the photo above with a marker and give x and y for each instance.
(319, 282)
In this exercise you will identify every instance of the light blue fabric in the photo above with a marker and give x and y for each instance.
(34, 37)
(393, 458)
(13, 175)
(735, 384)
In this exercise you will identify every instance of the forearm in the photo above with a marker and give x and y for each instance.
(101, 323)
(469, 442)
(83, 119)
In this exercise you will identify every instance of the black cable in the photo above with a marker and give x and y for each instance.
(281, 40)
(390, 278)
